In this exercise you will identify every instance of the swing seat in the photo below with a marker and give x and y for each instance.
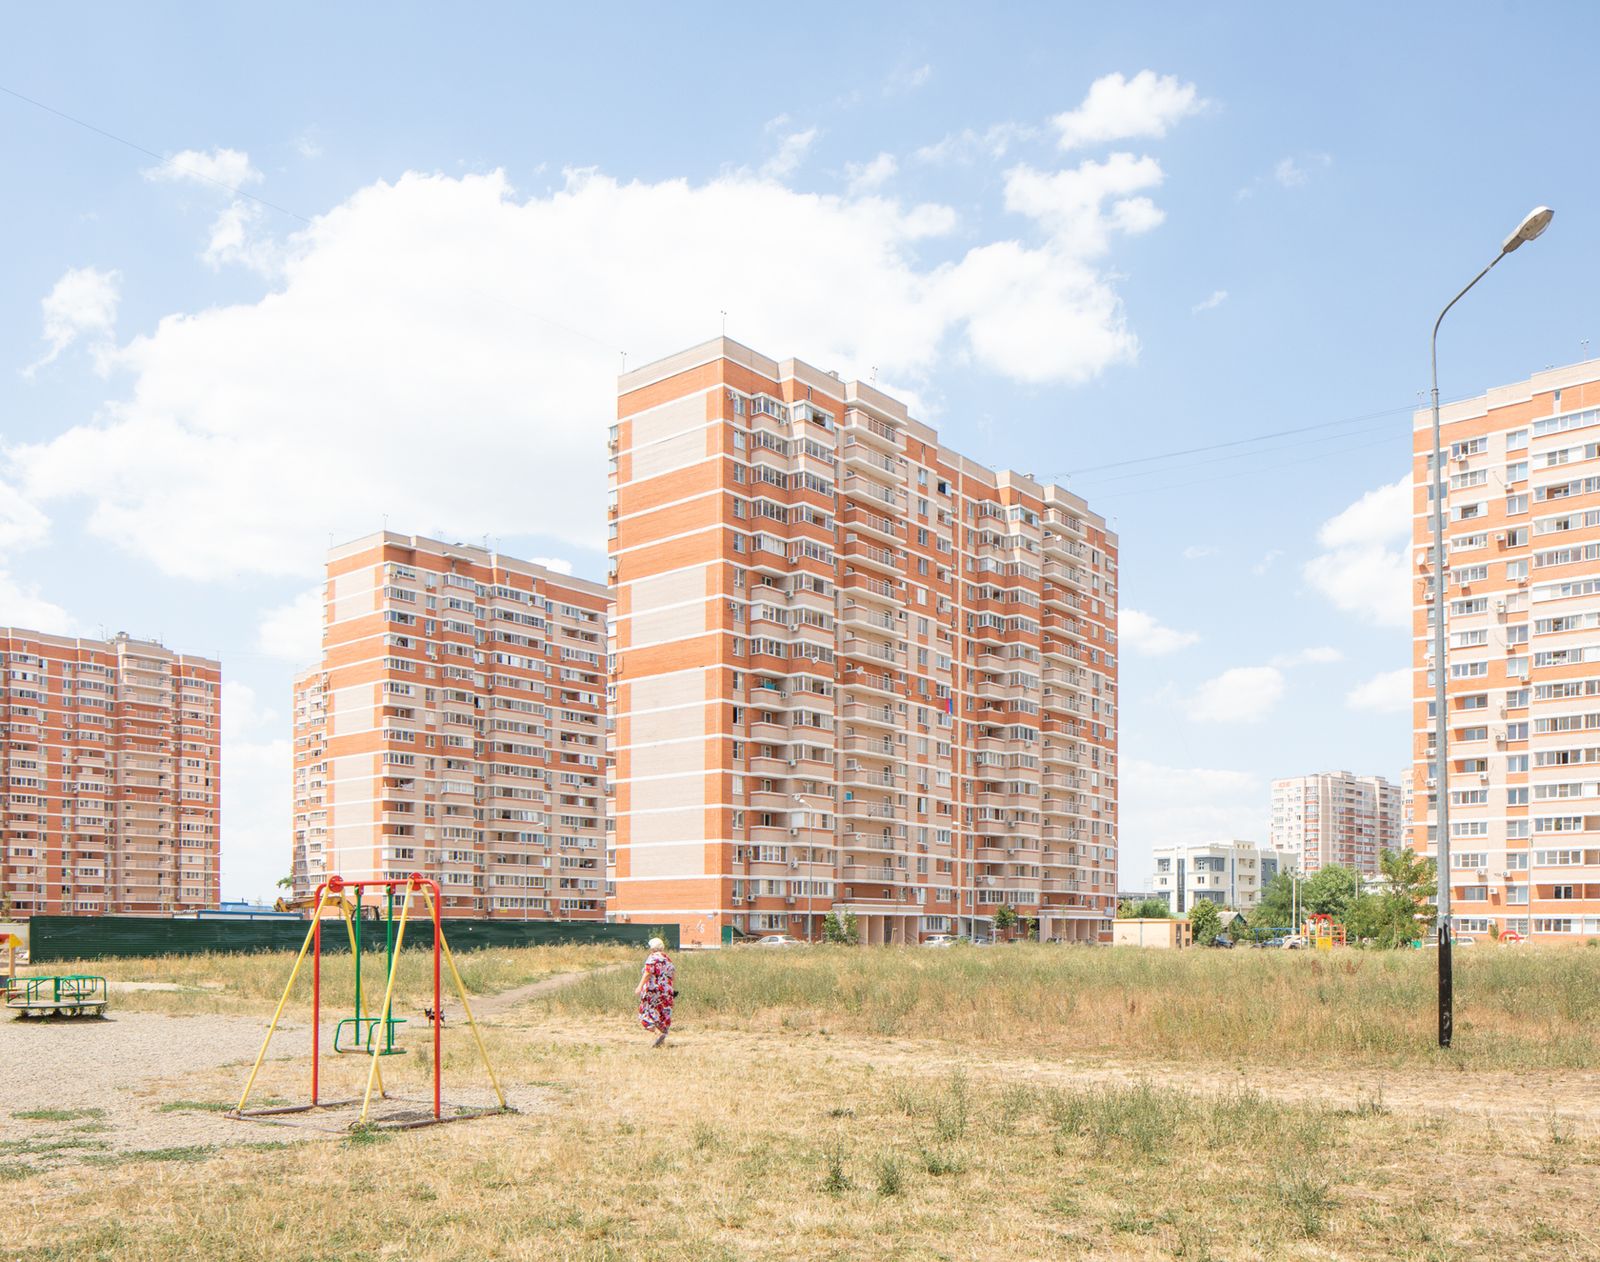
(364, 1030)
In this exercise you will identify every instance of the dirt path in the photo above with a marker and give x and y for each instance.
(505, 1000)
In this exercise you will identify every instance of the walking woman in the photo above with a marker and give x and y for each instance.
(655, 992)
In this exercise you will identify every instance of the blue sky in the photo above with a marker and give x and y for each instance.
(1076, 237)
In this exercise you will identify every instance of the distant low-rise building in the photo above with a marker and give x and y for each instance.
(1228, 873)
(1163, 935)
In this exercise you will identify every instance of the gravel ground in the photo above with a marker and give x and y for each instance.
(117, 1074)
(127, 1066)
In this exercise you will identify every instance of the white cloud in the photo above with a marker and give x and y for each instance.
(234, 232)
(229, 168)
(1071, 203)
(21, 523)
(1266, 562)
(409, 326)
(1288, 173)
(793, 146)
(21, 605)
(293, 632)
(83, 301)
(1118, 108)
(1141, 633)
(866, 177)
(1322, 655)
(257, 769)
(968, 145)
(907, 80)
(242, 712)
(1161, 805)
(1296, 172)
(1198, 551)
(307, 145)
(1362, 568)
(558, 564)
(1245, 694)
(1386, 693)
(1218, 297)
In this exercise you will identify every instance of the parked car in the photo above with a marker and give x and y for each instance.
(939, 940)
(1463, 941)
(1223, 941)
(778, 940)
(1294, 942)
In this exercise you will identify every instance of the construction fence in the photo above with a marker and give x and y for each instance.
(137, 937)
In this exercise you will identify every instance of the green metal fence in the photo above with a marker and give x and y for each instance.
(136, 937)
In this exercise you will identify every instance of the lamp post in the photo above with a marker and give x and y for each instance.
(810, 906)
(1536, 221)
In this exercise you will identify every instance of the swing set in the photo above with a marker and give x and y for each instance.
(366, 1034)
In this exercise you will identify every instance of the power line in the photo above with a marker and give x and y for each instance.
(1242, 473)
(1236, 442)
(609, 343)
(159, 157)
(1097, 482)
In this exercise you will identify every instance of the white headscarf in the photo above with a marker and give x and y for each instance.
(656, 944)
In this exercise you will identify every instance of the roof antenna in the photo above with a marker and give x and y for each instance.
(624, 355)
(724, 324)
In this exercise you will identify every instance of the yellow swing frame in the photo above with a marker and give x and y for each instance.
(332, 890)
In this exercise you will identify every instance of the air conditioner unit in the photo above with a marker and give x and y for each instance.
(1499, 605)
(1483, 778)
(789, 898)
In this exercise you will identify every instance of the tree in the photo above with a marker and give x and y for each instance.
(1276, 908)
(286, 882)
(839, 927)
(1331, 892)
(1145, 909)
(1005, 918)
(1399, 913)
(1030, 928)
(1205, 921)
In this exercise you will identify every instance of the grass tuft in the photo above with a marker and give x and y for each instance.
(836, 1182)
(59, 1115)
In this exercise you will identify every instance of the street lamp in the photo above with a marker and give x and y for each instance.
(1536, 221)
(810, 885)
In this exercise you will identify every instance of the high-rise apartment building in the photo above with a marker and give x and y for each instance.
(1228, 873)
(1523, 623)
(110, 776)
(853, 668)
(456, 725)
(1335, 817)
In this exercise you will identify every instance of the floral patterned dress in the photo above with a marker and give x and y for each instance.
(655, 1006)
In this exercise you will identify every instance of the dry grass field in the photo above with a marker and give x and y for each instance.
(1017, 1103)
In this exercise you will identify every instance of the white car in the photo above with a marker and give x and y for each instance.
(1463, 941)
(939, 940)
(778, 940)
(1294, 942)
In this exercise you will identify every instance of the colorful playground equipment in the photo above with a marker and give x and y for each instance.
(374, 1035)
(362, 1027)
(1322, 932)
(70, 995)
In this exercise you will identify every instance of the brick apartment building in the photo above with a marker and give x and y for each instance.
(853, 668)
(110, 759)
(1523, 626)
(1334, 817)
(456, 725)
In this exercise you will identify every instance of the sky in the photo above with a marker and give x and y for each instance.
(281, 278)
